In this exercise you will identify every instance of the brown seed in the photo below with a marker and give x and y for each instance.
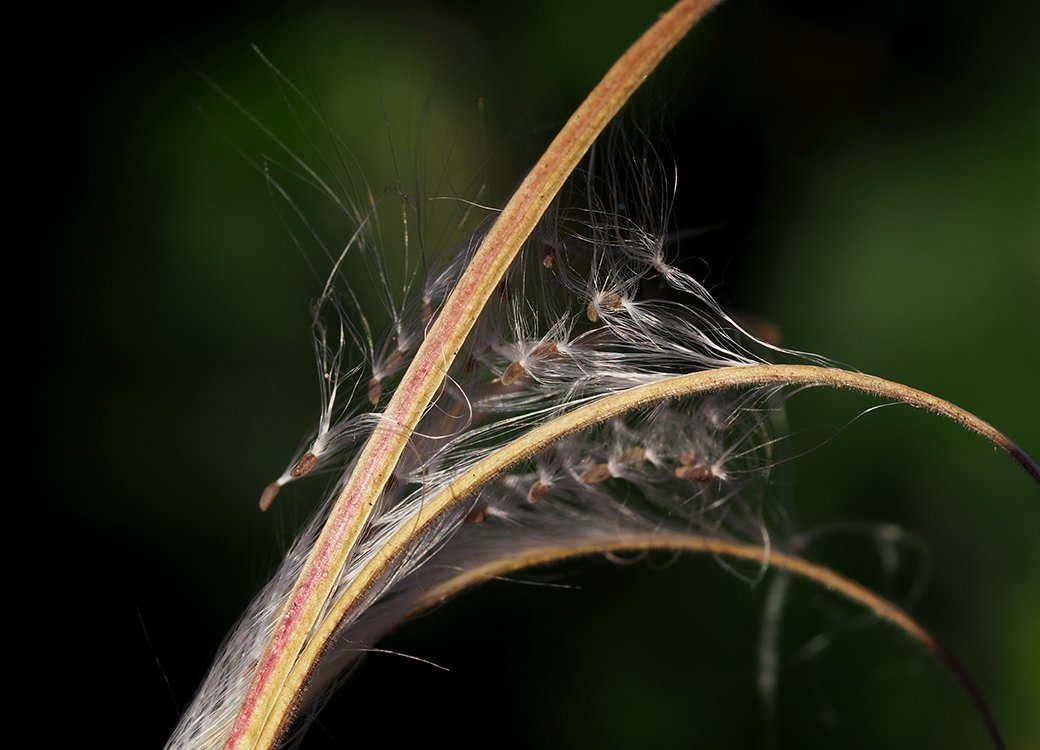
(695, 473)
(538, 490)
(478, 515)
(513, 373)
(269, 494)
(548, 350)
(393, 362)
(427, 312)
(307, 462)
(607, 301)
(595, 474)
(548, 257)
(688, 459)
(634, 455)
(375, 390)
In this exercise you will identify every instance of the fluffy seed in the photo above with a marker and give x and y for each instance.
(604, 301)
(538, 490)
(269, 494)
(695, 473)
(548, 350)
(513, 373)
(393, 362)
(478, 515)
(307, 462)
(634, 455)
(548, 257)
(595, 474)
(375, 390)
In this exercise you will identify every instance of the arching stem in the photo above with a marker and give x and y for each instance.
(448, 499)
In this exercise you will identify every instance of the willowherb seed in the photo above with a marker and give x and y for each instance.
(548, 256)
(513, 373)
(603, 301)
(595, 474)
(548, 350)
(635, 454)
(375, 390)
(695, 473)
(269, 494)
(307, 462)
(538, 491)
(393, 362)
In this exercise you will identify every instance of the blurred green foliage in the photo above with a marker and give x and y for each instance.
(873, 176)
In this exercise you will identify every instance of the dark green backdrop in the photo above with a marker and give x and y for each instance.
(872, 174)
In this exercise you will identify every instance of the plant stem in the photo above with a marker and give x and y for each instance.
(884, 609)
(259, 721)
(585, 416)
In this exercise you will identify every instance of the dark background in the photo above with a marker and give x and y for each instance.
(872, 174)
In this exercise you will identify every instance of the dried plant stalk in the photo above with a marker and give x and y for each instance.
(328, 597)
(421, 381)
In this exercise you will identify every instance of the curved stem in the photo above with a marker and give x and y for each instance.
(258, 722)
(884, 609)
(585, 416)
